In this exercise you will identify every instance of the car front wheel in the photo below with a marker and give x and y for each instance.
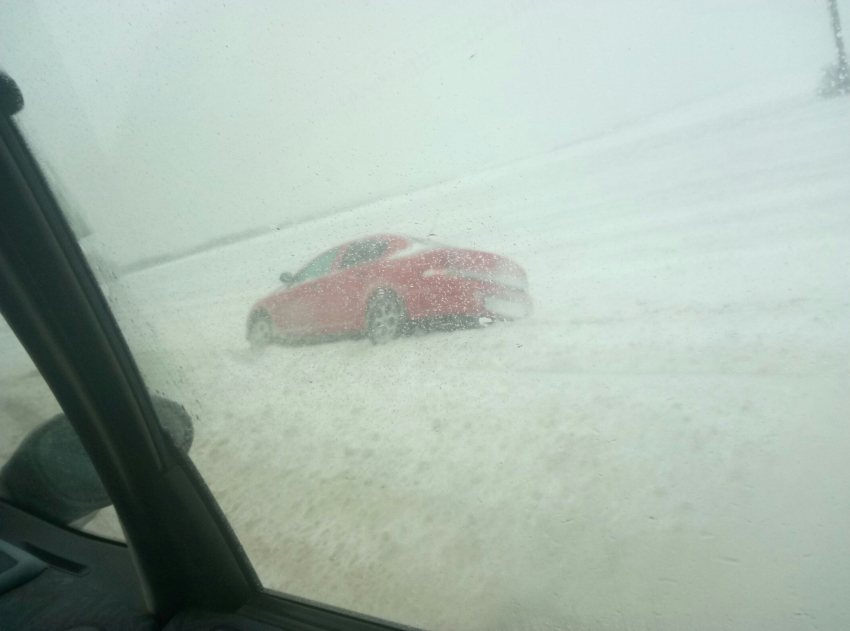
(261, 333)
(385, 317)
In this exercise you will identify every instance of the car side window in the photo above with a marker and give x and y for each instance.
(362, 253)
(319, 266)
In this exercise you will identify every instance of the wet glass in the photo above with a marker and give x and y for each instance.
(597, 379)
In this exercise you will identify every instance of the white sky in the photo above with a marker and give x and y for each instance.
(173, 123)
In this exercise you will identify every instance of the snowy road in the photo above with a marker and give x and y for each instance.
(662, 445)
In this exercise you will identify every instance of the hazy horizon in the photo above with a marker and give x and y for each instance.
(294, 110)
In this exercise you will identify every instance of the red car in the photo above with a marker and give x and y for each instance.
(382, 285)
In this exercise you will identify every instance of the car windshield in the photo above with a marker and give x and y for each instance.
(603, 382)
(316, 268)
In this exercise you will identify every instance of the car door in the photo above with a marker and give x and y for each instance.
(358, 271)
(302, 309)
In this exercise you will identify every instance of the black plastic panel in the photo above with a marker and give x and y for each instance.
(88, 559)
(17, 567)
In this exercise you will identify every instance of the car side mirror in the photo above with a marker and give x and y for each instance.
(50, 473)
(286, 278)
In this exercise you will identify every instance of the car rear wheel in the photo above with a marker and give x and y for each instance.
(261, 333)
(386, 317)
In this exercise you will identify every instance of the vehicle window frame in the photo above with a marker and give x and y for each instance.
(147, 478)
(85, 360)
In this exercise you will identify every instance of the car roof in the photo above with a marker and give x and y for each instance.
(378, 237)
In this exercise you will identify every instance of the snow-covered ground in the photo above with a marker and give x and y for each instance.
(662, 445)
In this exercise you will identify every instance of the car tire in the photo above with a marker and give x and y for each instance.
(386, 316)
(261, 332)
